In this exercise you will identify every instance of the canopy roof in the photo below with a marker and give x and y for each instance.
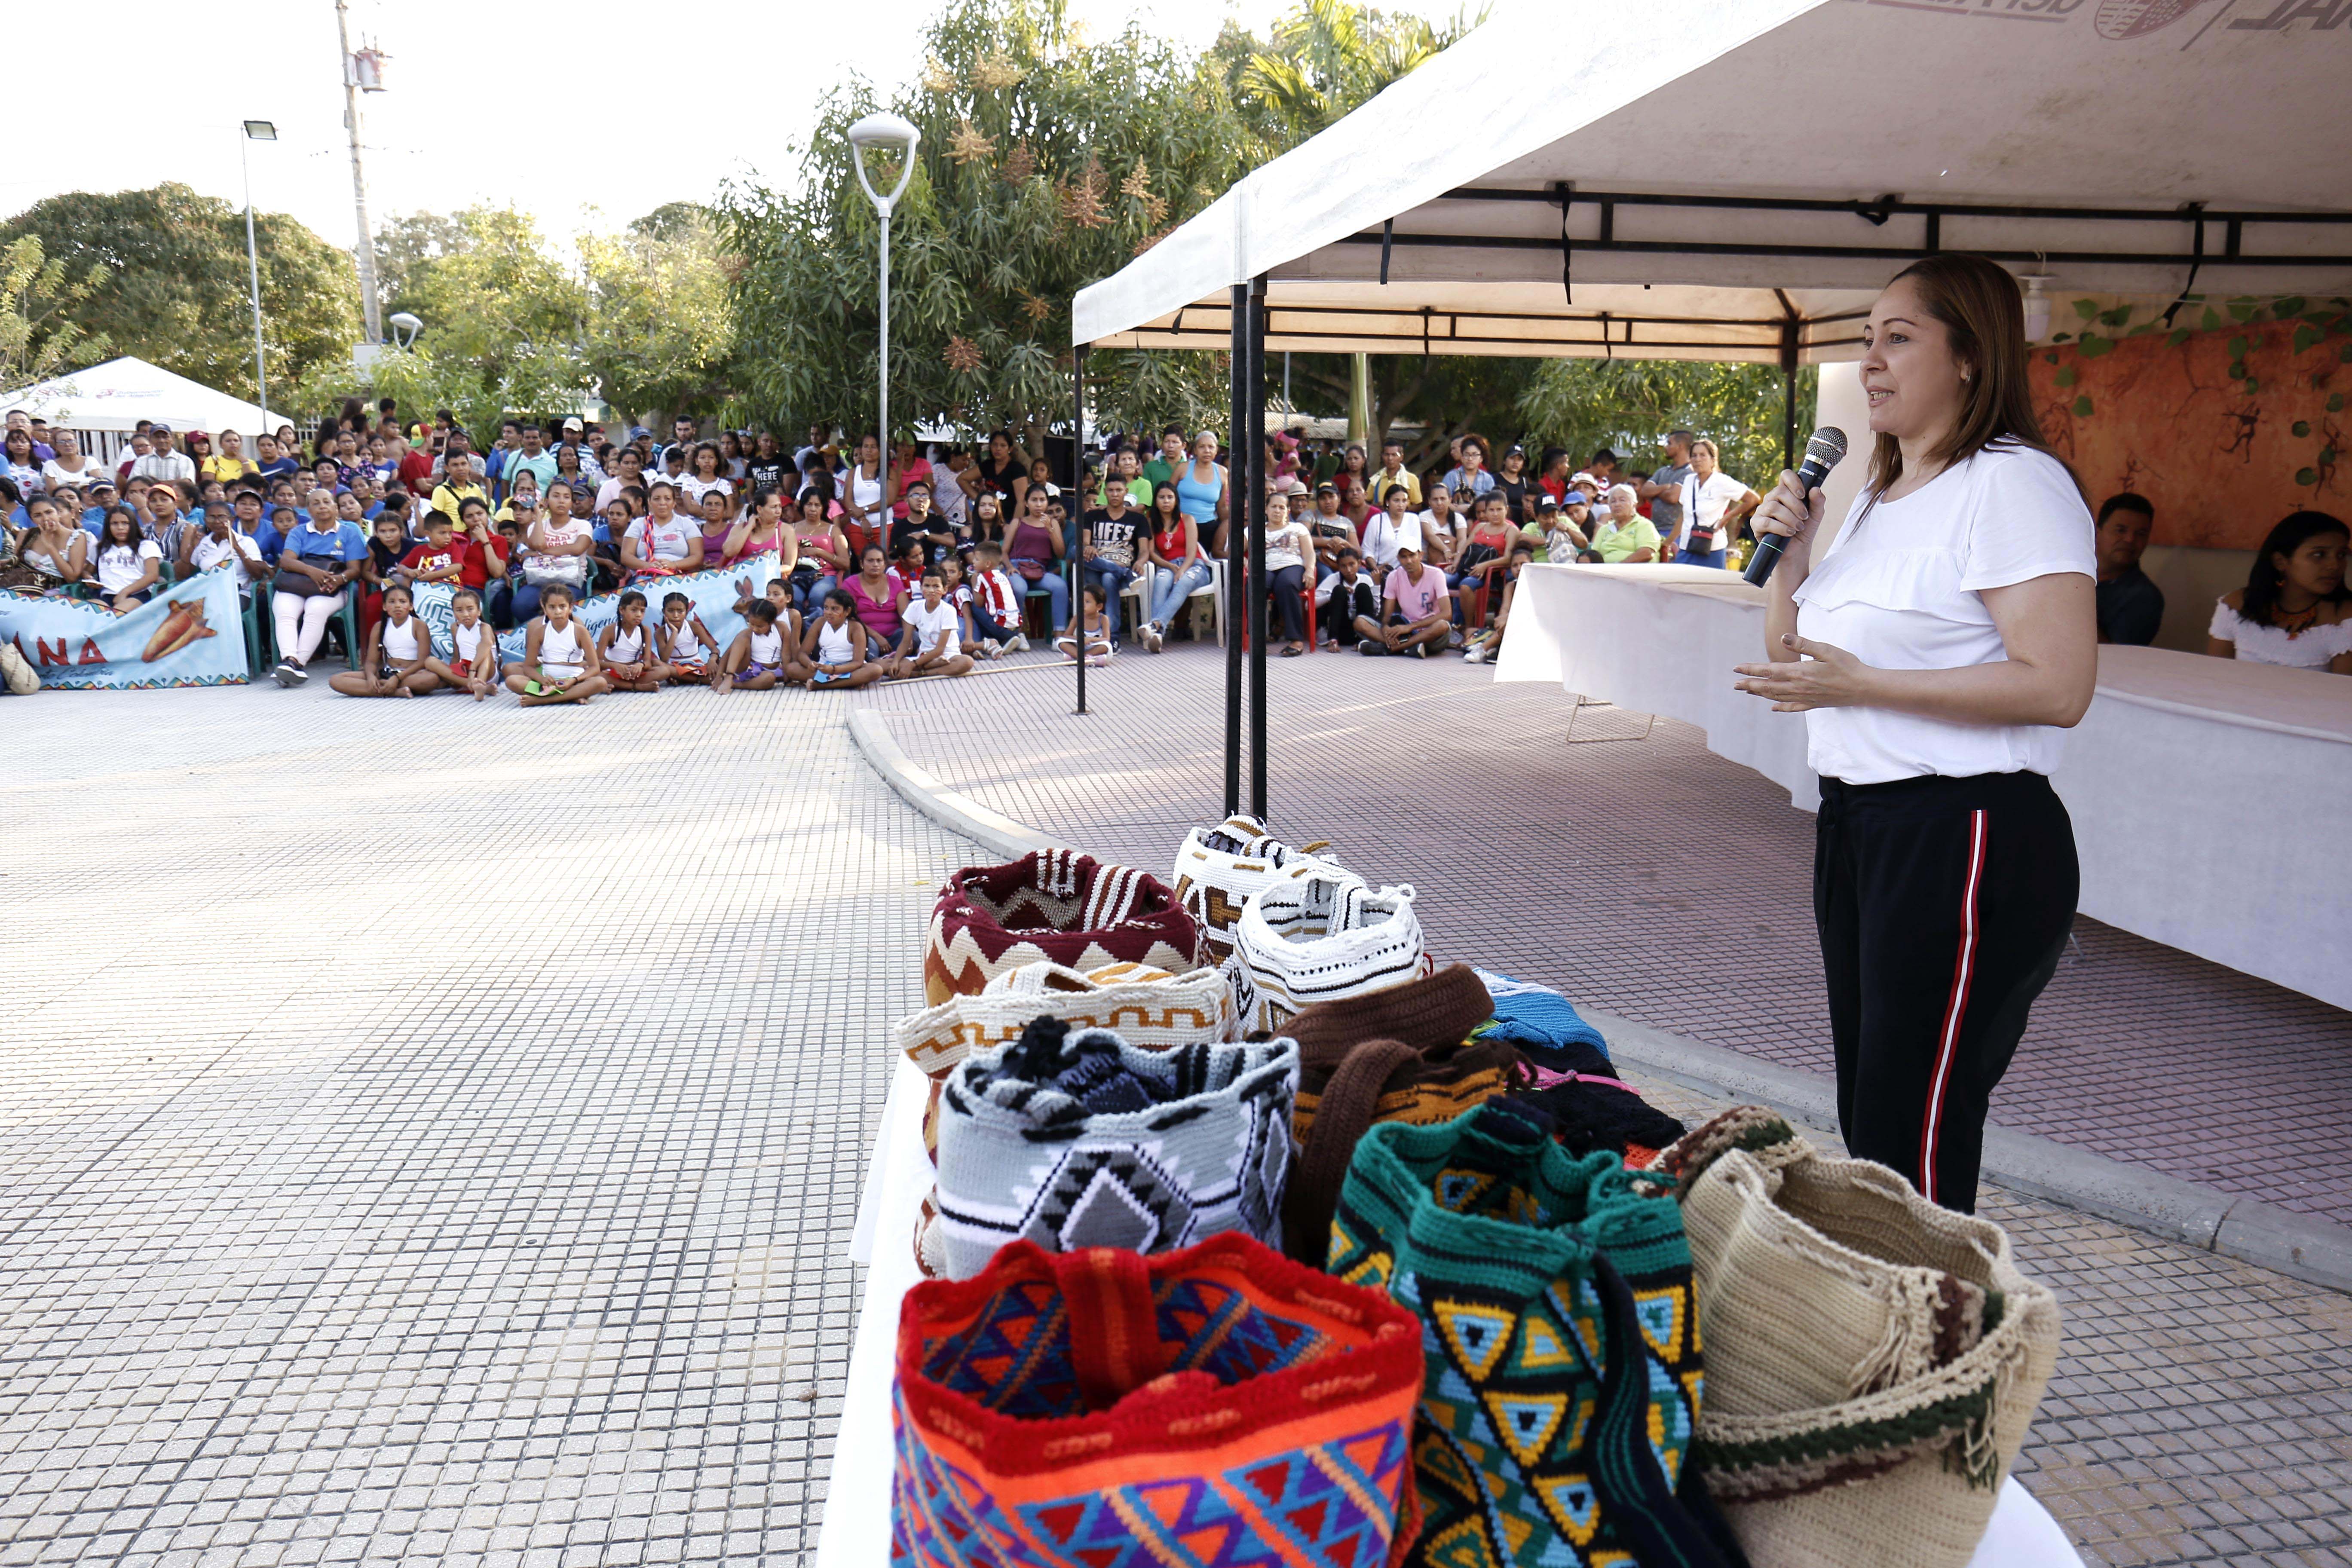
(1572, 178)
(119, 394)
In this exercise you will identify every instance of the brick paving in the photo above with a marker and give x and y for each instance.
(432, 1132)
(1646, 874)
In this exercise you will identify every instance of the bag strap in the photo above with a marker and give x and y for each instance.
(1342, 1116)
(1114, 1332)
(1635, 1495)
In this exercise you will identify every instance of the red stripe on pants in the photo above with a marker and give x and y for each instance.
(1955, 1008)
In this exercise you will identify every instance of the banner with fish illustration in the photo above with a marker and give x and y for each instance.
(713, 595)
(190, 634)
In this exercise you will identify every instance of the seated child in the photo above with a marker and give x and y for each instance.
(1097, 628)
(559, 661)
(755, 662)
(993, 610)
(930, 647)
(1489, 645)
(833, 647)
(626, 648)
(682, 642)
(399, 652)
(473, 662)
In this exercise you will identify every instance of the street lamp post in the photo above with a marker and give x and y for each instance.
(254, 131)
(884, 132)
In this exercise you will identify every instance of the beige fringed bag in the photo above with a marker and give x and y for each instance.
(1872, 1361)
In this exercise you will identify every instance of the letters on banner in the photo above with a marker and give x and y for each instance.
(192, 634)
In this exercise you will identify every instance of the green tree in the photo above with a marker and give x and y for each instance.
(173, 288)
(38, 336)
(661, 313)
(1629, 406)
(1044, 165)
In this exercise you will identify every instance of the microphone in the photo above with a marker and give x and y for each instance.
(1822, 453)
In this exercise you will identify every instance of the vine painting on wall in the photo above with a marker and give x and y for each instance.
(2228, 420)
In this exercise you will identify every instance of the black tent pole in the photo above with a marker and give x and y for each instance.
(1078, 510)
(1236, 618)
(1255, 391)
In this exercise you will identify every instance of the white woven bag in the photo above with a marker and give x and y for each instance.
(1152, 1008)
(1318, 938)
(1872, 1361)
(1217, 869)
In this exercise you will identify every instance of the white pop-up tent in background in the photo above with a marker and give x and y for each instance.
(101, 405)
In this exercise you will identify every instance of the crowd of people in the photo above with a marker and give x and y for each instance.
(923, 562)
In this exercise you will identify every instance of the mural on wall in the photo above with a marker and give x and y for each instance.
(2228, 418)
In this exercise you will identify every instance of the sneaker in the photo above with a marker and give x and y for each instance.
(1151, 639)
(1371, 648)
(1019, 644)
(289, 672)
(15, 672)
(1097, 660)
(1476, 655)
(1420, 650)
(995, 649)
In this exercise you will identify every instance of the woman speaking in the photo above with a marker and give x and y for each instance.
(1937, 647)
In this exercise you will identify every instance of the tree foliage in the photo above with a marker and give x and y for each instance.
(660, 313)
(1628, 405)
(172, 284)
(38, 336)
(1043, 166)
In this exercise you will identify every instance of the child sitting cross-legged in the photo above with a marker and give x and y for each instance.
(626, 648)
(399, 654)
(683, 643)
(559, 662)
(931, 646)
(473, 662)
(755, 661)
(834, 648)
(994, 610)
(1097, 631)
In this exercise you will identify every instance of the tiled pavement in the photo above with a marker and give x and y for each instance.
(432, 1132)
(1646, 874)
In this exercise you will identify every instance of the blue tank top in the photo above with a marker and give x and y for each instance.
(1197, 500)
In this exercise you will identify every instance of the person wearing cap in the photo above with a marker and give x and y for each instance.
(1514, 484)
(163, 461)
(1417, 613)
(1332, 531)
(98, 498)
(1556, 534)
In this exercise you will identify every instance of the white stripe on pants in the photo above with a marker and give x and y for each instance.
(303, 621)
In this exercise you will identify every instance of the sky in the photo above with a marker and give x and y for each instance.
(617, 108)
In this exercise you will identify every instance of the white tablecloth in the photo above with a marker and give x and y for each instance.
(856, 1529)
(2208, 797)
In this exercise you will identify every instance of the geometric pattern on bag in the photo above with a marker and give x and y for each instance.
(1149, 1008)
(1319, 938)
(1217, 869)
(1563, 1375)
(1081, 1139)
(1219, 1405)
(1055, 905)
(1875, 1360)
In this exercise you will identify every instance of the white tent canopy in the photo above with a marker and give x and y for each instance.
(110, 399)
(1734, 179)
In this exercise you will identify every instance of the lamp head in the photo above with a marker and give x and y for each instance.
(401, 322)
(884, 132)
(260, 131)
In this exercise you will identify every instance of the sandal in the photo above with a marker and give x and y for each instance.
(1294, 650)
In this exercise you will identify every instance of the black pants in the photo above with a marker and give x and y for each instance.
(1942, 905)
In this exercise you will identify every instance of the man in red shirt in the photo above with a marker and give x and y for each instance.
(415, 467)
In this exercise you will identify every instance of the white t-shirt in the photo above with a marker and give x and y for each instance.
(1900, 589)
(696, 488)
(1705, 502)
(1425, 526)
(670, 540)
(118, 564)
(55, 473)
(242, 549)
(929, 623)
(2312, 648)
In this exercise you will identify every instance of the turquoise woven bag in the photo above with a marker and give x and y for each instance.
(1563, 1378)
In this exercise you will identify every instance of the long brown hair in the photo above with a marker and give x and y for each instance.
(1980, 305)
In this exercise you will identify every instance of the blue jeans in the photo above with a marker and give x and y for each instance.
(1688, 557)
(1171, 588)
(1112, 577)
(986, 627)
(810, 600)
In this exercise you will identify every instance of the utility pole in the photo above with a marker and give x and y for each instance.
(366, 252)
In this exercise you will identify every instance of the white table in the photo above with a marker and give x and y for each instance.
(2209, 795)
(856, 1529)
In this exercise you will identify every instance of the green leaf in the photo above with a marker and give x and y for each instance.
(2116, 317)
(2147, 326)
(2092, 347)
(2304, 337)
(2175, 338)
(2065, 377)
(2065, 337)
(2306, 475)
(2327, 456)
(2299, 428)
(2335, 403)
(2086, 309)
(2242, 309)
(2238, 346)
(2290, 305)
(2082, 406)
(2252, 386)
(2049, 359)
(2210, 320)
(2237, 369)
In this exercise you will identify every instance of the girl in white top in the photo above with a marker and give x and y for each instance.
(55, 546)
(473, 662)
(626, 648)
(833, 654)
(2293, 609)
(684, 643)
(399, 654)
(558, 663)
(705, 474)
(756, 659)
(863, 504)
(1938, 648)
(127, 563)
(70, 465)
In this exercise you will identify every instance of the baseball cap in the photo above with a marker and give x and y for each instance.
(1576, 498)
(573, 424)
(159, 429)
(1544, 503)
(1327, 485)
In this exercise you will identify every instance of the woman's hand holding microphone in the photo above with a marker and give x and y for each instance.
(1815, 675)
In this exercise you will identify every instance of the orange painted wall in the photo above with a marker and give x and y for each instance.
(2226, 430)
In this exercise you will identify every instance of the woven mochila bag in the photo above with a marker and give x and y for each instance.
(1873, 1361)
(1076, 1140)
(1054, 905)
(1221, 1404)
(1320, 938)
(1562, 1382)
(1150, 1008)
(1217, 869)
